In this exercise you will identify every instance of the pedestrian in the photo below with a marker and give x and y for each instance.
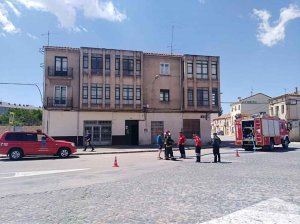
(198, 144)
(216, 141)
(87, 139)
(181, 141)
(159, 141)
(168, 145)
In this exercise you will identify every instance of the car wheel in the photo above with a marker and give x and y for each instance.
(285, 144)
(15, 154)
(64, 153)
(271, 146)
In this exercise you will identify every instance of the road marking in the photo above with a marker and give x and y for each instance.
(36, 173)
(271, 211)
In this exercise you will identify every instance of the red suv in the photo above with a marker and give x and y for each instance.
(19, 144)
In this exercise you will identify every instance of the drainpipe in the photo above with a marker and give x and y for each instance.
(77, 137)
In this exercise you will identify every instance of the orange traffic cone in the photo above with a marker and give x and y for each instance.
(237, 153)
(115, 163)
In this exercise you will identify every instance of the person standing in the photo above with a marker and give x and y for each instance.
(198, 144)
(181, 141)
(169, 144)
(216, 141)
(159, 141)
(87, 139)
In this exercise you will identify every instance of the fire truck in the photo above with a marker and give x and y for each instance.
(262, 131)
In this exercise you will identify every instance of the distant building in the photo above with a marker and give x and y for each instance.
(287, 107)
(4, 107)
(258, 103)
(125, 97)
(222, 124)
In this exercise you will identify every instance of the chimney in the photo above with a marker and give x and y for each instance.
(296, 90)
(239, 98)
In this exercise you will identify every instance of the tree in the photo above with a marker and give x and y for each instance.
(23, 117)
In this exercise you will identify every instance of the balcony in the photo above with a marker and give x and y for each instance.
(52, 73)
(59, 103)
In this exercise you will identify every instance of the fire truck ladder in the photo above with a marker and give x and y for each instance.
(257, 126)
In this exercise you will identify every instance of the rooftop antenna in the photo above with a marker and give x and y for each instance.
(251, 91)
(48, 36)
(284, 90)
(171, 46)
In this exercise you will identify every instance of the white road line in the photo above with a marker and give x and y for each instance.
(271, 211)
(36, 173)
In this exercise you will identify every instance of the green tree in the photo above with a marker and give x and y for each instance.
(23, 117)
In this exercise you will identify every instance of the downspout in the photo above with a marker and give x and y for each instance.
(77, 137)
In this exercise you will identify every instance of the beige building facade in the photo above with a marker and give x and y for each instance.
(127, 97)
(222, 125)
(287, 107)
(258, 103)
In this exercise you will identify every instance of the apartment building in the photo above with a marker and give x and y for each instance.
(287, 107)
(258, 103)
(125, 97)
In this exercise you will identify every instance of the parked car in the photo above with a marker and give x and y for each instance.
(19, 144)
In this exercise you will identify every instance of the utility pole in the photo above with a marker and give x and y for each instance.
(48, 36)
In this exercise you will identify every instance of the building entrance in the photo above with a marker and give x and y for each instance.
(100, 132)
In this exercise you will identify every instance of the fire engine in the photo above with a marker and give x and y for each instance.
(262, 131)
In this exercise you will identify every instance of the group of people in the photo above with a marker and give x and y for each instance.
(164, 140)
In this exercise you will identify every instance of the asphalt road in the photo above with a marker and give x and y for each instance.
(259, 187)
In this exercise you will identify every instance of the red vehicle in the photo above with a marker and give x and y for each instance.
(19, 144)
(261, 132)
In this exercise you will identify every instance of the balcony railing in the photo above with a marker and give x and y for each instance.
(59, 102)
(52, 72)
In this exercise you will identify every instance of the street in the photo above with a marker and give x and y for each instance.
(257, 187)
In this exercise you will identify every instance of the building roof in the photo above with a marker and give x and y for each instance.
(224, 116)
(286, 96)
(250, 97)
(19, 106)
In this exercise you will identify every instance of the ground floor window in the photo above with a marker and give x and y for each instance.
(156, 128)
(100, 131)
(190, 127)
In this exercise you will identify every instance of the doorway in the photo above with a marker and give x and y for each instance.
(132, 132)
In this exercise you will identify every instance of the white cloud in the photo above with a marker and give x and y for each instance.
(270, 35)
(31, 36)
(5, 24)
(13, 8)
(66, 10)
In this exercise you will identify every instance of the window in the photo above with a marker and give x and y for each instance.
(128, 94)
(107, 62)
(202, 97)
(164, 95)
(117, 65)
(277, 111)
(138, 65)
(272, 111)
(61, 65)
(96, 64)
(190, 127)
(128, 66)
(85, 61)
(201, 70)
(190, 96)
(107, 92)
(60, 95)
(214, 70)
(117, 93)
(164, 69)
(138, 93)
(85, 92)
(214, 97)
(282, 109)
(96, 94)
(190, 69)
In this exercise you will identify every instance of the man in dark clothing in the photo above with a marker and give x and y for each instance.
(169, 144)
(216, 141)
(87, 139)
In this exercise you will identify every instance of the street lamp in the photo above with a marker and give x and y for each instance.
(24, 84)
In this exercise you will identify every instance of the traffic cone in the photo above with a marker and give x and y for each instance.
(116, 162)
(237, 153)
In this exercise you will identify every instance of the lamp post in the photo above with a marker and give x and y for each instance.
(24, 84)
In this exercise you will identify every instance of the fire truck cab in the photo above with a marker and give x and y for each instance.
(263, 132)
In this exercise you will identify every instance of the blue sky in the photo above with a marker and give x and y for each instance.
(258, 41)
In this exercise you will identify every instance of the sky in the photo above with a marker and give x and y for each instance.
(258, 41)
